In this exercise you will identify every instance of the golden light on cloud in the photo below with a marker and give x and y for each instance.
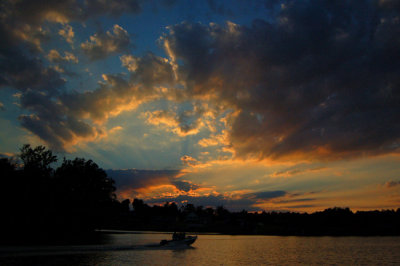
(115, 129)
(70, 145)
(214, 140)
(289, 173)
(54, 56)
(55, 16)
(130, 62)
(170, 121)
(67, 33)
(188, 160)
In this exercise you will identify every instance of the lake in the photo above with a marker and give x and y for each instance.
(142, 249)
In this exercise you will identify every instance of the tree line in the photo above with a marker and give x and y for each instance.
(332, 221)
(39, 202)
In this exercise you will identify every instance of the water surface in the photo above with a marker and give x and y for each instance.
(143, 249)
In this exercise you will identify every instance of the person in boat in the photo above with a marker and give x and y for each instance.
(178, 236)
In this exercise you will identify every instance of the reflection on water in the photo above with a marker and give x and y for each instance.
(143, 249)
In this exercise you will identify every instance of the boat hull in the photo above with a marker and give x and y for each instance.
(187, 241)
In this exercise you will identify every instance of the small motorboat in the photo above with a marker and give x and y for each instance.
(179, 239)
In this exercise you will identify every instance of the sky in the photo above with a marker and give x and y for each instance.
(275, 105)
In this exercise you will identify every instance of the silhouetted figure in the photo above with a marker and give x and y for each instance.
(178, 236)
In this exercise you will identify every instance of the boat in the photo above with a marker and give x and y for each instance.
(179, 239)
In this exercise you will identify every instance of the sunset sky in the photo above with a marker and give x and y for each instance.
(258, 105)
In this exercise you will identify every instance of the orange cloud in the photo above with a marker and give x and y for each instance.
(214, 140)
(172, 122)
(292, 172)
(188, 160)
(54, 56)
(67, 33)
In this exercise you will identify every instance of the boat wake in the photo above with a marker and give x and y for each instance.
(71, 250)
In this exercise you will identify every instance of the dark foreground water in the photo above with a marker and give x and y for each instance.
(143, 249)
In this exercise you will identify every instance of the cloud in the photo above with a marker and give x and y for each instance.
(315, 81)
(136, 178)
(113, 96)
(130, 62)
(22, 34)
(214, 140)
(188, 160)
(159, 186)
(8, 155)
(153, 183)
(67, 33)
(266, 195)
(68, 10)
(189, 121)
(391, 184)
(54, 111)
(323, 88)
(50, 121)
(103, 44)
(181, 125)
(296, 201)
(22, 19)
(22, 73)
(185, 185)
(244, 202)
(296, 171)
(116, 94)
(150, 70)
(54, 56)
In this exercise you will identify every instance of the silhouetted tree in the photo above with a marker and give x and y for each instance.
(37, 158)
(84, 191)
(38, 202)
(332, 221)
(125, 204)
(9, 188)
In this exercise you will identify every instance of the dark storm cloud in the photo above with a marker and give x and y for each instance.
(320, 79)
(267, 194)
(211, 200)
(245, 202)
(392, 183)
(152, 70)
(6, 156)
(135, 178)
(185, 185)
(66, 10)
(50, 121)
(21, 72)
(296, 200)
